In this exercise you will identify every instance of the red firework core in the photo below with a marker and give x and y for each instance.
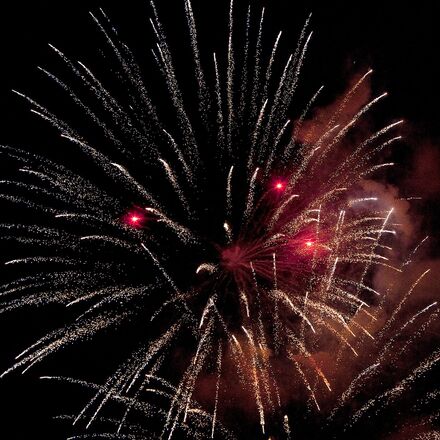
(234, 258)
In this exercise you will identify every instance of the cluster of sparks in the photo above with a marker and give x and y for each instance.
(285, 268)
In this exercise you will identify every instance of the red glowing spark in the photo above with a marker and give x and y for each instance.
(134, 219)
(309, 243)
(279, 186)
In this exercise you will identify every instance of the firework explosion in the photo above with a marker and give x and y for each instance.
(236, 244)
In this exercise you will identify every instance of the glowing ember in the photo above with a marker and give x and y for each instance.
(279, 186)
(134, 219)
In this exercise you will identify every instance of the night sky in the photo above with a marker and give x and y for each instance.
(399, 40)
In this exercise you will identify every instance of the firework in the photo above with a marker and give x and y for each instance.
(240, 243)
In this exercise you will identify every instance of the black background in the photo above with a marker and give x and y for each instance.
(398, 39)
